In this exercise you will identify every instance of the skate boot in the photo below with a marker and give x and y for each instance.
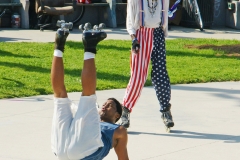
(60, 39)
(62, 34)
(125, 118)
(91, 37)
(167, 119)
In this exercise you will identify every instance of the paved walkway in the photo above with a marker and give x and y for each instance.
(206, 115)
(16, 35)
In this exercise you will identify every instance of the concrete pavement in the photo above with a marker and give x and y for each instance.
(206, 125)
(206, 115)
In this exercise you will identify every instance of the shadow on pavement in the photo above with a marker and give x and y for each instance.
(4, 39)
(221, 93)
(30, 99)
(205, 89)
(194, 135)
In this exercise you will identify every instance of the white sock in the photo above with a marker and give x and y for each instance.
(88, 55)
(57, 53)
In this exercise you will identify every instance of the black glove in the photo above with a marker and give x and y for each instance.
(135, 46)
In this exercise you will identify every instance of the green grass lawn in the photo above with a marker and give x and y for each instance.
(25, 67)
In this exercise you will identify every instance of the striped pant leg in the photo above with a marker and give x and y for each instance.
(139, 67)
(159, 74)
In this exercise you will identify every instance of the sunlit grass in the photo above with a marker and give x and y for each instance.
(25, 67)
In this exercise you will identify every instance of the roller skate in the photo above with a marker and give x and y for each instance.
(62, 34)
(92, 36)
(125, 118)
(167, 119)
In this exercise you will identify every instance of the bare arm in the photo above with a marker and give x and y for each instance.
(121, 146)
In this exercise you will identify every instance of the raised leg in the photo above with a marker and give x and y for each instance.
(84, 133)
(62, 115)
(57, 71)
(90, 40)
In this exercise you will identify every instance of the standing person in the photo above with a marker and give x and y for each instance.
(147, 24)
(81, 132)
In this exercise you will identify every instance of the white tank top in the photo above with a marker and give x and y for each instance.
(152, 13)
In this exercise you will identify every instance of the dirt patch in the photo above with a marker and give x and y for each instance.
(229, 50)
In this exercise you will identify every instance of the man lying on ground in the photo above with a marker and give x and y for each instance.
(83, 132)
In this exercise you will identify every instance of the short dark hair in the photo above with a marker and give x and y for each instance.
(118, 106)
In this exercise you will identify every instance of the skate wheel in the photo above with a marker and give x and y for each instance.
(168, 129)
(87, 26)
(95, 27)
(59, 22)
(70, 25)
(81, 27)
(102, 25)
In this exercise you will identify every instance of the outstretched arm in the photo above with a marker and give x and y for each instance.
(121, 147)
(57, 71)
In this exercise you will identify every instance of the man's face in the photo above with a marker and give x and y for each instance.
(108, 111)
